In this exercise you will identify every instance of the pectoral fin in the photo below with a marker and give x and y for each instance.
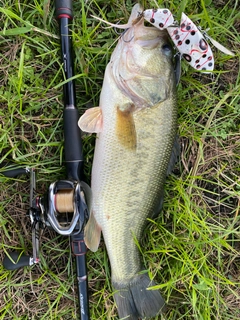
(125, 129)
(91, 121)
(92, 233)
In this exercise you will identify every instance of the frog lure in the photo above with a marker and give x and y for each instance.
(187, 37)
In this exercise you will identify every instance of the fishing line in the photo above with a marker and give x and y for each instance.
(69, 205)
(219, 208)
(64, 201)
(64, 204)
(72, 278)
(118, 32)
(214, 119)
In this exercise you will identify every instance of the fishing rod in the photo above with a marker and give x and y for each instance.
(64, 206)
(73, 151)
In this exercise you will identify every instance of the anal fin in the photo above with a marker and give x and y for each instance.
(176, 150)
(92, 233)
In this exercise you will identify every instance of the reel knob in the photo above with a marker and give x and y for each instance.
(16, 260)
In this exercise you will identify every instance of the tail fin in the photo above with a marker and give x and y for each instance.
(134, 301)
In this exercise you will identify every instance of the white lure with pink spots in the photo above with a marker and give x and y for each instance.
(159, 18)
(187, 38)
(192, 45)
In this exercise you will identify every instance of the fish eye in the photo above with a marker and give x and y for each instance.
(167, 49)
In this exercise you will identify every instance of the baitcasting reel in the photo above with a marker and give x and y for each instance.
(65, 206)
(64, 209)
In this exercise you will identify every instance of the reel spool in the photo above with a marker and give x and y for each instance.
(65, 201)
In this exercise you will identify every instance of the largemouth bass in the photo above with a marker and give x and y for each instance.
(136, 124)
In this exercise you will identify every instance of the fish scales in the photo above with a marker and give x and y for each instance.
(137, 187)
(136, 126)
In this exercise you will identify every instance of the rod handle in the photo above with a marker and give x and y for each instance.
(64, 8)
(16, 260)
(73, 144)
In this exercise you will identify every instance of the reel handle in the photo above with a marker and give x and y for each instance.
(16, 260)
(13, 172)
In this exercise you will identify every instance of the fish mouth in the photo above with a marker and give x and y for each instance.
(137, 20)
(136, 29)
(142, 32)
(145, 36)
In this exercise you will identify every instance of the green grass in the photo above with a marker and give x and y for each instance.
(192, 248)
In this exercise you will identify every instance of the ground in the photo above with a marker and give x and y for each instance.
(192, 248)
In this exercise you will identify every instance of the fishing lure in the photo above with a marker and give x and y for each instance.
(187, 37)
(192, 44)
(159, 18)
